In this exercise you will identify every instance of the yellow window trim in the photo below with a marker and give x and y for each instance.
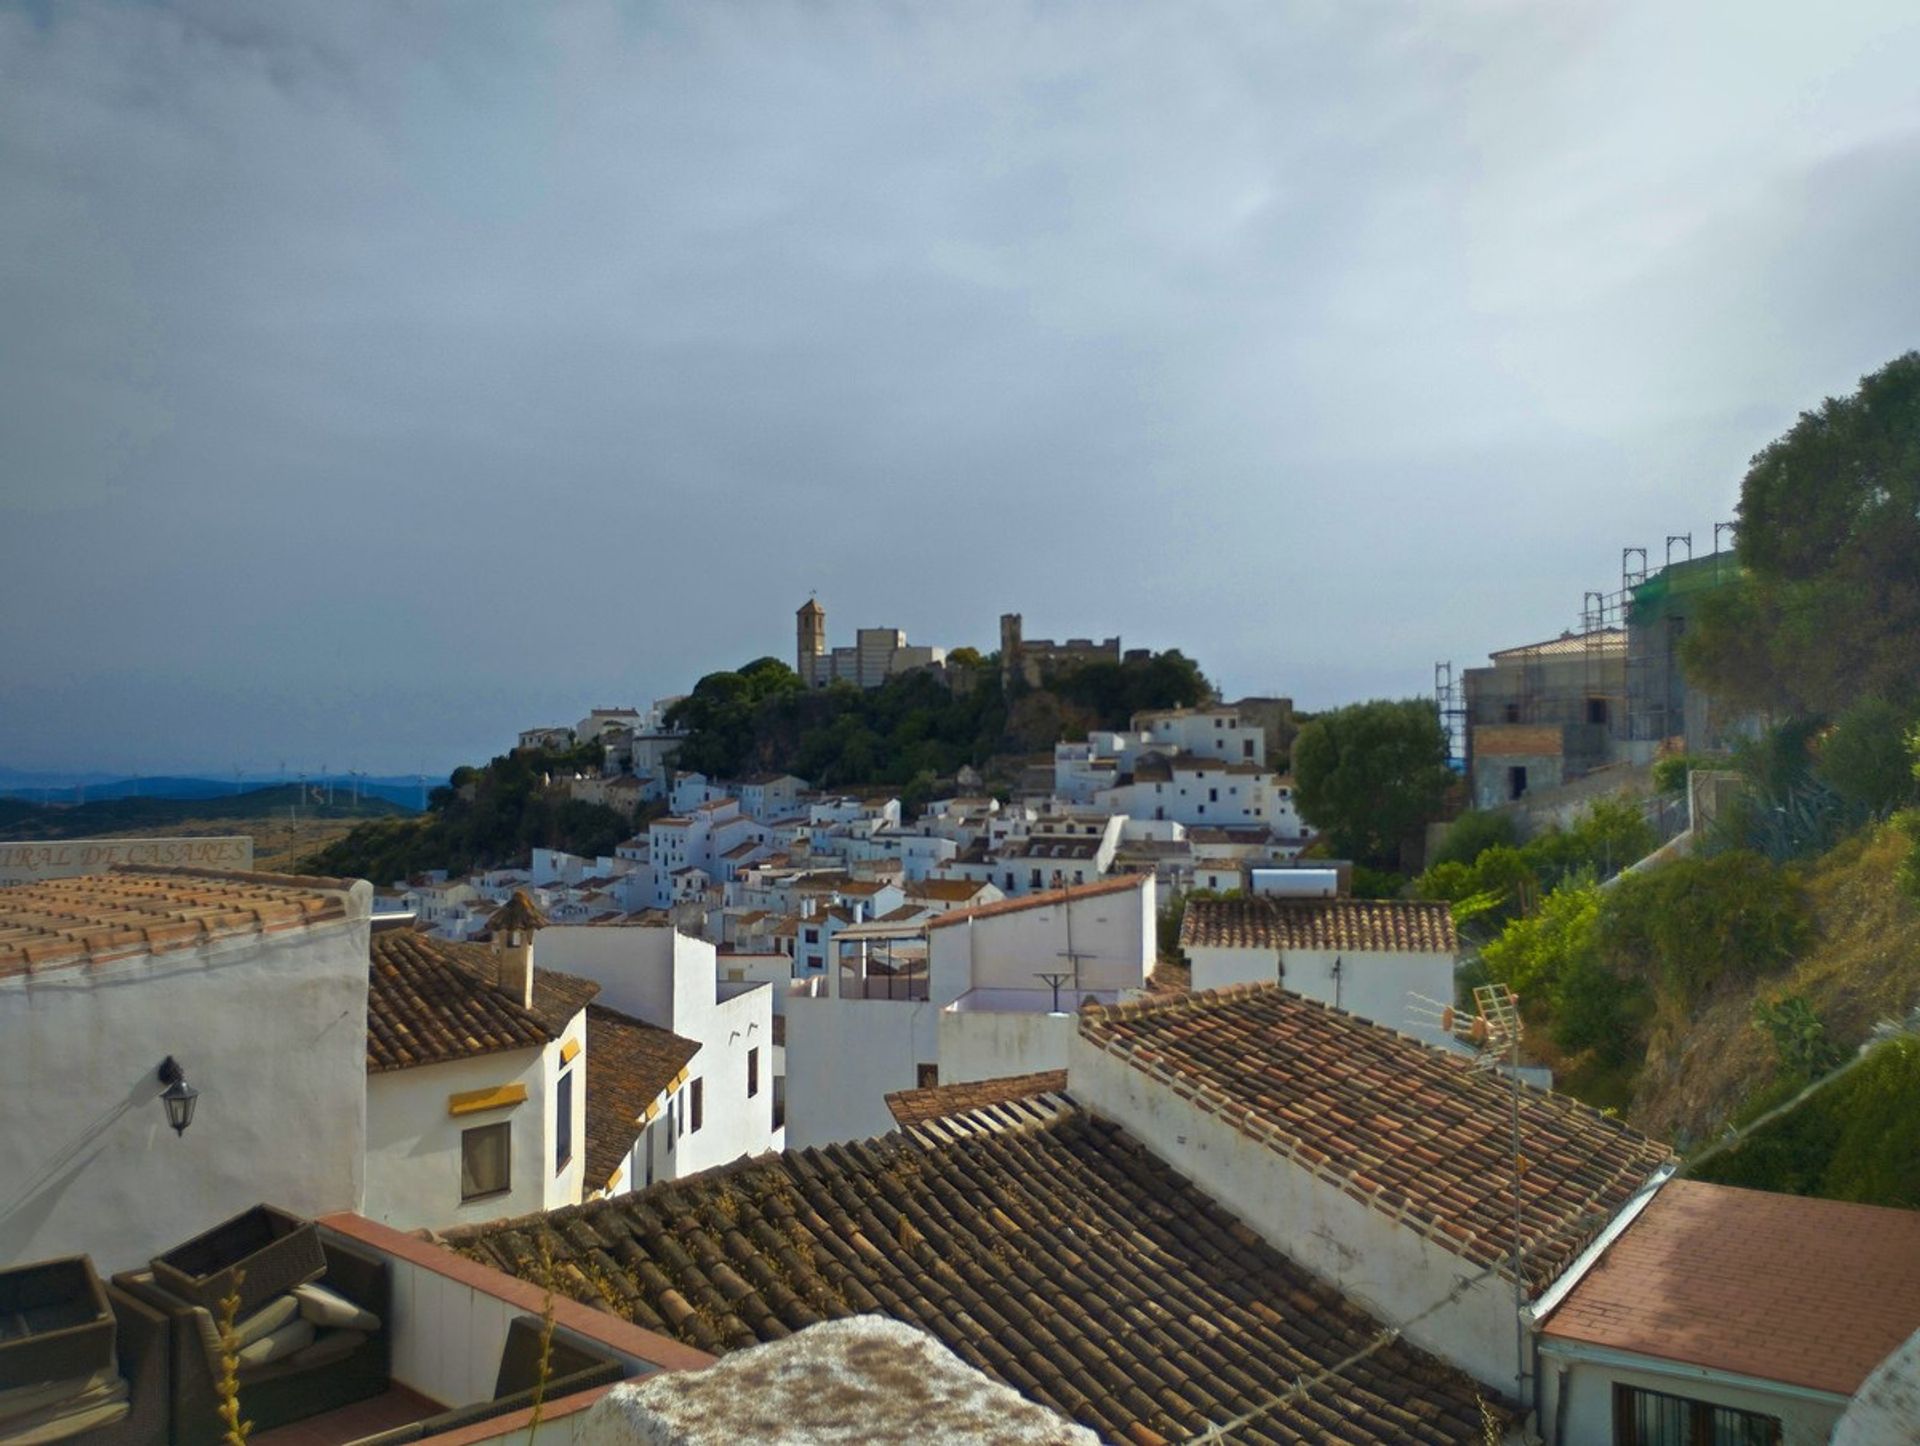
(498, 1097)
(569, 1050)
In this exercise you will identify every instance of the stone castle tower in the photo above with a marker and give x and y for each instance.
(811, 650)
(1010, 664)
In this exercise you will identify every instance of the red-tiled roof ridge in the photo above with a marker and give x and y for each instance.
(430, 1001)
(1395, 1179)
(322, 882)
(136, 910)
(916, 1106)
(1117, 884)
(1364, 925)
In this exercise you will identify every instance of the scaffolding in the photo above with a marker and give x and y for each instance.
(1450, 703)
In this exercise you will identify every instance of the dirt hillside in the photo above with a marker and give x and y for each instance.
(1864, 966)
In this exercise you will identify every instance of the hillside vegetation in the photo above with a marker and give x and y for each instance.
(482, 818)
(913, 729)
(1860, 965)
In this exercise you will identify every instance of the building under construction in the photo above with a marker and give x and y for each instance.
(1546, 713)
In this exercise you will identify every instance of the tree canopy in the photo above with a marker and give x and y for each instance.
(1371, 774)
(1828, 608)
(913, 727)
(483, 818)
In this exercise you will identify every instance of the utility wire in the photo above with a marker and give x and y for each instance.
(1306, 1385)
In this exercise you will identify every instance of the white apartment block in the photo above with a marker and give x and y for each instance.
(723, 1108)
(982, 1005)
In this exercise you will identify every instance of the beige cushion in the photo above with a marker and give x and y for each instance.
(100, 1405)
(328, 1346)
(19, 1400)
(266, 1320)
(329, 1308)
(293, 1336)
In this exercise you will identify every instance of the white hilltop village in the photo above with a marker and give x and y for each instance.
(802, 1118)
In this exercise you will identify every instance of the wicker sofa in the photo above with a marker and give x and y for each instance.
(280, 1393)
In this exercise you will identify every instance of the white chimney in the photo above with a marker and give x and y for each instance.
(513, 963)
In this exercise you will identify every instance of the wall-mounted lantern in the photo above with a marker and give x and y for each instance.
(179, 1097)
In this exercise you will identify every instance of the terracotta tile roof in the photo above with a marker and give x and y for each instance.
(1412, 1131)
(1062, 1259)
(1365, 925)
(1119, 884)
(947, 891)
(629, 1064)
(1812, 1293)
(912, 1107)
(98, 918)
(430, 1001)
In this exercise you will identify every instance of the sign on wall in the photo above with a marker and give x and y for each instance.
(28, 863)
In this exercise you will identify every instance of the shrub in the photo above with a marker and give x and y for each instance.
(1687, 925)
(1670, 774)
(1799, 1036)
(1857, 1138)
(1864, 757)
(1553, 958)
(1609, 835)
(1471, 835)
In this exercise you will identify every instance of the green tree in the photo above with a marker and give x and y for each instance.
(1864, 758)
(1371, 774)
(1829, 607)
(1471, 835)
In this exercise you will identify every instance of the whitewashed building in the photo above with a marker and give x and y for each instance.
(1382, 959)
(1720, 1314)
(984, 1005)
(1379, 1164)
(476, 1089)
(254, 985)
(723, 1108)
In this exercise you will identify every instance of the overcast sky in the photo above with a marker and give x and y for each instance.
(378, 380)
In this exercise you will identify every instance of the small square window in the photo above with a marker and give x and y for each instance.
(486, 1161)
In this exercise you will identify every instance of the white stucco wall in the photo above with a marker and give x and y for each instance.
(976, 1045)
(413, 1143)
(1113, 935)
(1376, 985)
(272, 1032)
(844, 1056)
(1586, 1419)
(1394, 1272)
(732, 1123)
(671, 981)
(634, 967)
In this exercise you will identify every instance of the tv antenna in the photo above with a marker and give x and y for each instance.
(1493, 1030)
(1055, 978)
(1070, 954)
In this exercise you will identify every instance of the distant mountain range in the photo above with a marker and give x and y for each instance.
(68, 789)
(24, 819)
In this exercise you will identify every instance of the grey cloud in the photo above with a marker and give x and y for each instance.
(383, 378)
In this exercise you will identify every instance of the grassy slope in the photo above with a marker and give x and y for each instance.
(1863, 967)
